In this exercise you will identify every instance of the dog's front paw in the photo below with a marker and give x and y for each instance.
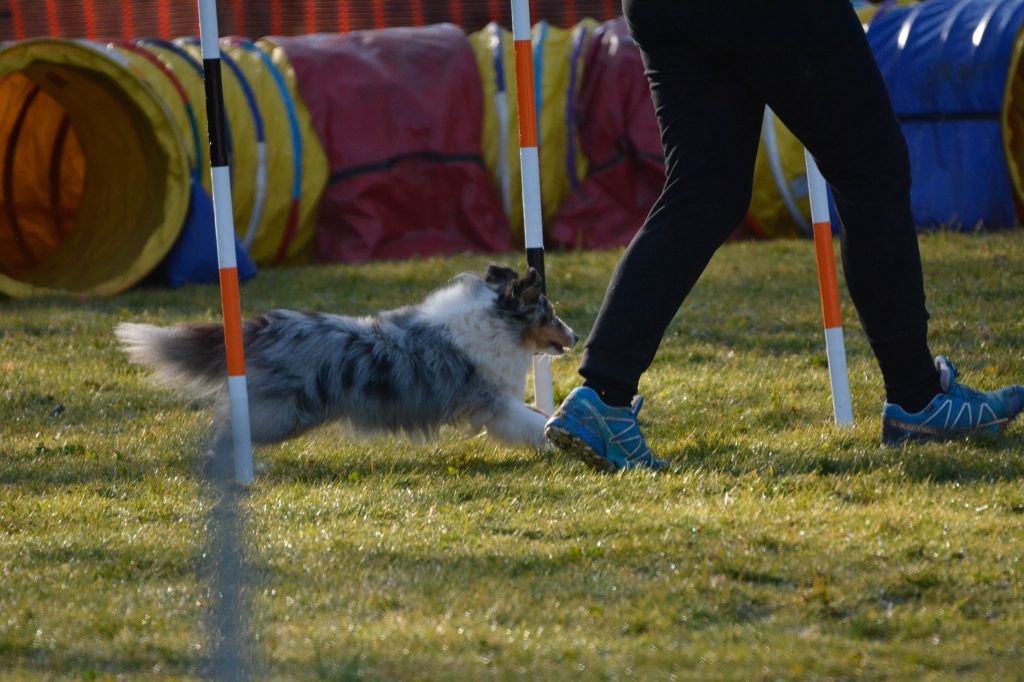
(539, 411)
(540, 442)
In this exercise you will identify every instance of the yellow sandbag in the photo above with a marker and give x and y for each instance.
(127, 210)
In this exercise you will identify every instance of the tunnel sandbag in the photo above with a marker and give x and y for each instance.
(193, 260)
(618, 133)
(94, 213)
(558, 58)
(953, 69)
(399, 112)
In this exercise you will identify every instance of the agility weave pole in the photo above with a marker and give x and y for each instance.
(216, 117)
(529, 161)
(835, 345)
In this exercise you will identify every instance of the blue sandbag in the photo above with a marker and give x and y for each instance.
(193, 260)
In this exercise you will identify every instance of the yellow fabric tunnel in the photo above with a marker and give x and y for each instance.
(94, 176)
(779, 203)
(278, 166)
(558, 56)
(297, 166)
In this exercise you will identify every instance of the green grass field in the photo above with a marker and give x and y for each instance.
(777, 547)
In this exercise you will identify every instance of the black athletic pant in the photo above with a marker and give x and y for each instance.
(713, 65)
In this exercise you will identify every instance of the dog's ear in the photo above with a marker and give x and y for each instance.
(500, 275)
(529, 289)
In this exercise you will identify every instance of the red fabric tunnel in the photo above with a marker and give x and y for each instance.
(618, 132)
(399, 112)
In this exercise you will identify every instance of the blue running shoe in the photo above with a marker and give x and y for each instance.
(954, 412)
(605, 438)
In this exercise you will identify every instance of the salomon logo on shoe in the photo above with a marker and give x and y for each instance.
(956, 411)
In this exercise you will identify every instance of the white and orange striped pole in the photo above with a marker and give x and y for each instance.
(835, 345)
(529, 162)
(225, 222)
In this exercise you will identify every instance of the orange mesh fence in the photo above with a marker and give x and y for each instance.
(167, 19)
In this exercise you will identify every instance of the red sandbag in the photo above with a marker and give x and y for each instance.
(618, 132)
(399, 112)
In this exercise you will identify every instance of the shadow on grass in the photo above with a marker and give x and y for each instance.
(318, 470)
(110, 564)
(152, 660)
(42, 466)
(772, 342)
(981, 459)
(389, 580)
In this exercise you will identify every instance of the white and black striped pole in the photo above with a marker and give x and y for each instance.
(835, 345)
(224, 219)
(529, 162)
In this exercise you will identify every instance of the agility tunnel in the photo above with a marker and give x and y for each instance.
(400, 113)
(558, 59)
(278, 166)
(403, 142)
(105, 165)
(618, 134)
(95, 174)
(954, 70)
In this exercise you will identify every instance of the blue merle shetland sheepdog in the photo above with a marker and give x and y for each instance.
(458, 358)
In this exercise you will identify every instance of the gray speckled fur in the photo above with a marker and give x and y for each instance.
(408, 370)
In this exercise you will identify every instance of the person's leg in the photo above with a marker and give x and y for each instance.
(710, 126)
(810, 61)
(812, 64)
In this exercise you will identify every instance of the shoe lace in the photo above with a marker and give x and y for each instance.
(960, 391)
(631, 438)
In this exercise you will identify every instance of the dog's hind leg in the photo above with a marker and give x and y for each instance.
(518, 424)
(271, 420)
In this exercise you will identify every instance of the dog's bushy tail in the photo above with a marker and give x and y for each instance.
(189, 356)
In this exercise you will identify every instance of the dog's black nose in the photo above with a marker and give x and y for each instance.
(575, 340)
